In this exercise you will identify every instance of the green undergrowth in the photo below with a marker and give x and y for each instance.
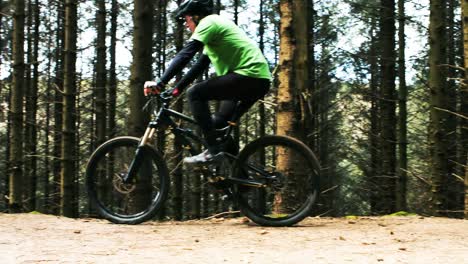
(399, 213)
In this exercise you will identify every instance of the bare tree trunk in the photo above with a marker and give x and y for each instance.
(403, 113)
(374, 169)
(141, 64)
(454, 187)
(31, 106)
(58, 106)
(438, 101)
(68, 179)
(140, 72)
(464, 93)
(100, 68)
(387, 178)
(292, 77)
(178, 173)
(112, 86)
(49, 101)
(16, 158)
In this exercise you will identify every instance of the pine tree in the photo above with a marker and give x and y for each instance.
(387, 178)
(292, 75)
(403, 112)
(100, 68)
(438, 101)
(16, 110)
(68, 175)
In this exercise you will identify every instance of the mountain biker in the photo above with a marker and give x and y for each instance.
(242, 71)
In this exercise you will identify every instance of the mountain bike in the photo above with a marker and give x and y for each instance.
(274, 180)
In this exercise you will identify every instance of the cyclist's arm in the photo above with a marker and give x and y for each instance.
(198, 68)
(181, 59)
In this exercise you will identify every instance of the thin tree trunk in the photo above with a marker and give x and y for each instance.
(438, 101)
(464, 94)
(178, 173)
(454, 188)
(31, 106)
(100, 67)
(58, 107)
(16, 111)
(48, 103)
(69, 197)
(161, 30)
(374, 169)
(403, 113)
(387, 178)
(466, 188)
(28, 127)
(112, 86)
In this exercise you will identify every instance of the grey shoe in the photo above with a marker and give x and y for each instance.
(203, 157)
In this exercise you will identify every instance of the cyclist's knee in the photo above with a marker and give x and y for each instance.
(192, 94)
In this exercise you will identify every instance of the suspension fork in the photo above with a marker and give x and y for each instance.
(136, 162)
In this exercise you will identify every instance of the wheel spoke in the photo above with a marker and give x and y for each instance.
(288, 169)
(126, 202)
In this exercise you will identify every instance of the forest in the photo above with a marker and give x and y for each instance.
(377, 89)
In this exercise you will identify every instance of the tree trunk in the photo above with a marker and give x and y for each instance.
(374, 169)
(403, 113)
(160, 44)
(68, 180)
(438, 101)
(454, 188)
(387, 178)
(112, 86)
(292, 78)
(466, 188)
(141, 64)
(100, 67)
(16, 111)
(464, 96)
(31, 107)
(178, 173)
(48, 100)
(140, 72)
(58, 106)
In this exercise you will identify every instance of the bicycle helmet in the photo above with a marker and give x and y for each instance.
(195, 7)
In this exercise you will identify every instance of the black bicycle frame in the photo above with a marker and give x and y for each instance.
(164, 119)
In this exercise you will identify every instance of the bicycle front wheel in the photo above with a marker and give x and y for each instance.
(130, 202)
(288, 172)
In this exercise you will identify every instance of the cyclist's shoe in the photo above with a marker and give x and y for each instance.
(203, 158)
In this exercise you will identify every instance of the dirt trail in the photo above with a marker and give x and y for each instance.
(33, 238)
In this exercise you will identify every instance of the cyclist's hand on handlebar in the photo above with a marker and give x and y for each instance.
(153, 88)
(175, 92)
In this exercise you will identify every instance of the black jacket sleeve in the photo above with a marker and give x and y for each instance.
(198, 68)
(181, 59)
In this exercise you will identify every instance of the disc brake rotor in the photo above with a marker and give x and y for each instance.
(120, 186)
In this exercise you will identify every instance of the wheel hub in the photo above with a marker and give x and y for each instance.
(120, 186)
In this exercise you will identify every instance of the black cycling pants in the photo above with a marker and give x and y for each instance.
(229, 89)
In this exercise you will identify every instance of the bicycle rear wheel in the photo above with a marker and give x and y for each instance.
(289, 173)
(126, 203)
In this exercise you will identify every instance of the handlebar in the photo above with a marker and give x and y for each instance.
(164, 97)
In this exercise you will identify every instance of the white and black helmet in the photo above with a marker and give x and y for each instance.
(195, 7)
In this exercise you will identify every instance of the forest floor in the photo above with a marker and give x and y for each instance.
(36, 238)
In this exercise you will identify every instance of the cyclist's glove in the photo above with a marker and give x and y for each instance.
(153, 87)
(175, 92)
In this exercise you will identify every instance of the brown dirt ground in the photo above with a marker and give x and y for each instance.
(35, 238)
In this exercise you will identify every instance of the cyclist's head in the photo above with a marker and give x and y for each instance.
(199, 8)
